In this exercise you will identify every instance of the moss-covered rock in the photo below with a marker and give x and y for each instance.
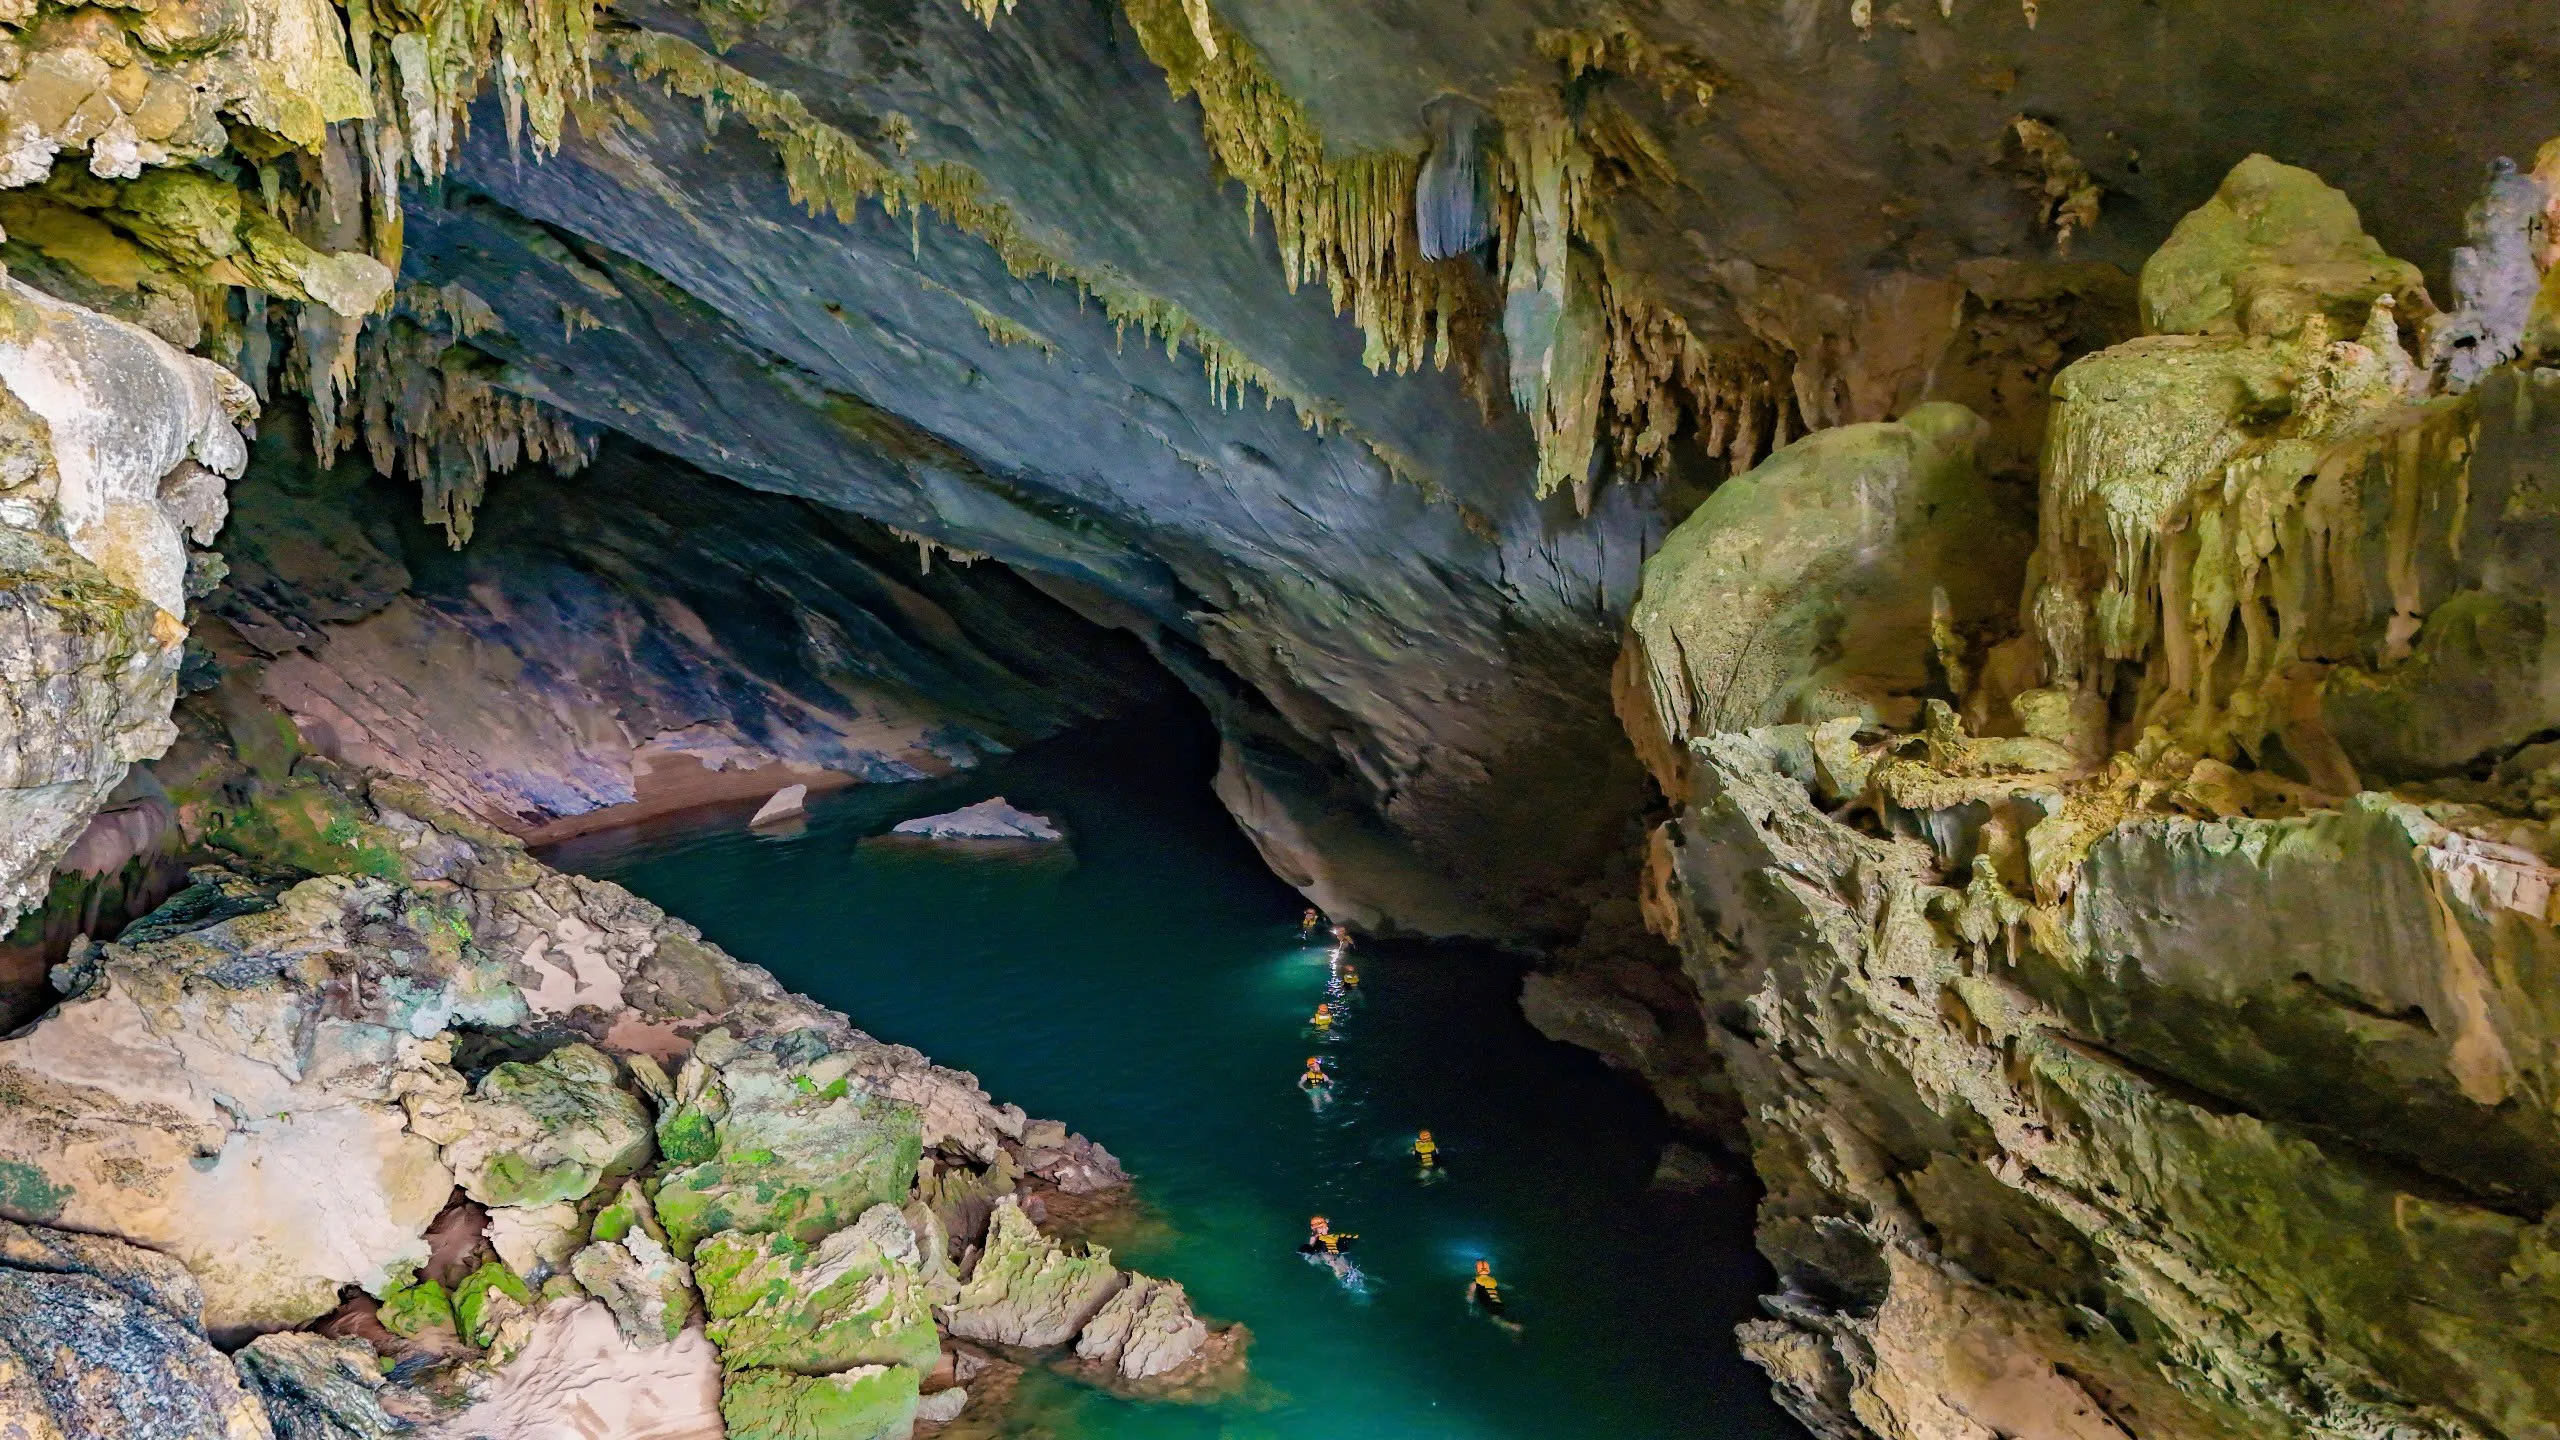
(486, 1297)
(2273, 247)
(1029, 1290)
(873, 1402)
(792, 1155)
(858, 1297)
(417, 1307)
(540, 1132)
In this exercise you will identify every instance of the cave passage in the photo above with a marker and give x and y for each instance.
(1154, 988)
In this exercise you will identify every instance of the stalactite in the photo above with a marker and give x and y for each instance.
(830, 172)
(1453, 196)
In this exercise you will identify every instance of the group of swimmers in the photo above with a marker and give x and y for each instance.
(1325, 1243)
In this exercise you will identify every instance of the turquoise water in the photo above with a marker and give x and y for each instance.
(1154, 993)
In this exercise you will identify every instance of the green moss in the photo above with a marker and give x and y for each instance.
(687, 1137)
(873, 1403)
(416, 1307)
(512, 1179)
(774, 1303)
(27, 1194)
(471, 1299)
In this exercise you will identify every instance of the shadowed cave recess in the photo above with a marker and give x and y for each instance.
(1961, 587)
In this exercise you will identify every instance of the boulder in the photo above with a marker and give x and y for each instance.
(86, 1348)
(631, 1270)
(165, 1102)
(869, 1402)
(541, 1132)
(1144, 1331)
(319, 1387)
(536, 1240)
(861, 1296)
(767, 1146)
(987, 820)
(786, 803)
(1027, 1289)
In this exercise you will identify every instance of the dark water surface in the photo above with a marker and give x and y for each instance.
(1153, 993)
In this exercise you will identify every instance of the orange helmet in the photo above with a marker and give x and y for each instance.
(1315, 1220)
(1484, 1267)
(1425, 1135)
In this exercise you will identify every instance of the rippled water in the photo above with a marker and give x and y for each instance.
(1153, 993)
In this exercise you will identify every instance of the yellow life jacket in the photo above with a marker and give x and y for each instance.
(1321, 1022)
(1490, 1286)
(1426, 1148)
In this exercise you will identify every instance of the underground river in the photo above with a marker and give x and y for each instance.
(1153, 992)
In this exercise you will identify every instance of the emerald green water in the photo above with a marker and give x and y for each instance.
(1154, 995)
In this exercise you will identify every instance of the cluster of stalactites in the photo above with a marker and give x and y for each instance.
(295, 226)
(2205, 530)
(831, 172)
(425, 409)
(1590, 353)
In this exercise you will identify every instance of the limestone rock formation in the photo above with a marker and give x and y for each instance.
(2135, 1071)
(766, 1146)
(541, 1132)
(1144, 1331)
(113, 450)
(861, 1296)
(1029, 1290)
(1835, 579)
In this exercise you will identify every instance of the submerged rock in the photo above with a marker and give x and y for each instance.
(986, 820)
(787, 803)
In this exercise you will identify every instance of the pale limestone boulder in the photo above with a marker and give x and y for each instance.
(1028, 1290)
(1144, 1331)
(228, 1096)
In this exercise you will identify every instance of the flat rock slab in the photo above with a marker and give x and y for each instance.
(986, 820)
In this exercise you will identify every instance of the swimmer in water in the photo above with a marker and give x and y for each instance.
(1341, 940)
(1315, 1078)
(1308, 922)
(1426, 1151)
(1323, 1018)
(1350, 976)
(1324, 1240)
(1484, 1295)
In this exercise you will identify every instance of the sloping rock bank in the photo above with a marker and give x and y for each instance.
(2142, 1011)
(472, 1146)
